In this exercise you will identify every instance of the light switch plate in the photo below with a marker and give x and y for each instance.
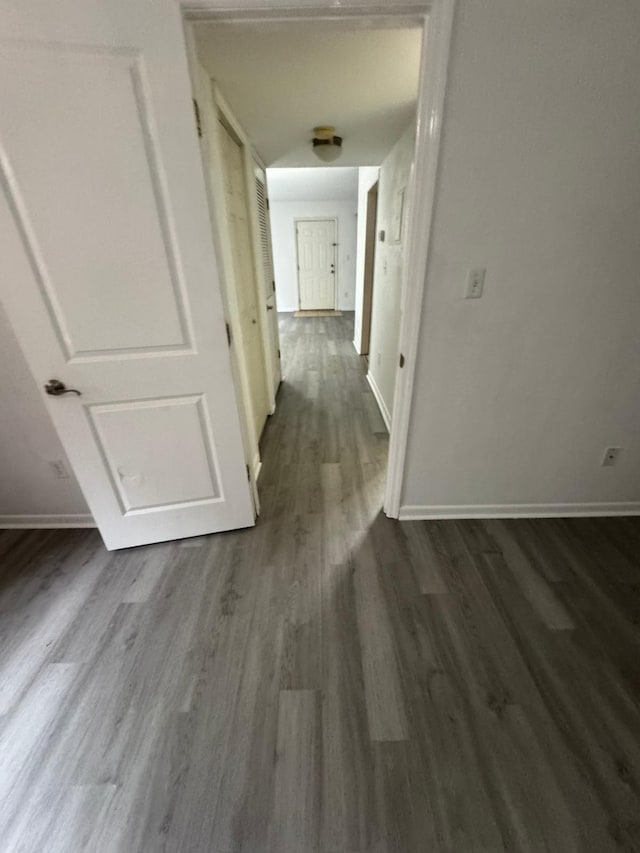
(475, 283)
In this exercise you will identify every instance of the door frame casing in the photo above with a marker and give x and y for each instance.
(228, 118)
(211, 158)
(436, 20)
(333, 219)
(234, 285)
(272, 343)
(369, 262)
(252, 160)
(215, 112)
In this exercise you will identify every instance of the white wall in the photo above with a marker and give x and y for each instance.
(367, 176)
(27, 442)
(387, 275)
(320, 192)
(518, 394)
(318, 183)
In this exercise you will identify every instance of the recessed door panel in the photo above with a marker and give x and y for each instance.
(157, 451)
(98, 266)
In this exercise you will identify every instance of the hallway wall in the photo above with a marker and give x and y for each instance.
(387, 275)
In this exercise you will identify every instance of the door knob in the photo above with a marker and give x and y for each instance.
(56, 388)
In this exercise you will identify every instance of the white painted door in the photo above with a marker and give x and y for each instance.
(109, 274)
(316, 239)
(244, 280)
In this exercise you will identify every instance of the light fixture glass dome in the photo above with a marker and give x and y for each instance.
(326, 145)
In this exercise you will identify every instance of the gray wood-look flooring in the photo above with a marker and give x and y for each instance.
(330, 681)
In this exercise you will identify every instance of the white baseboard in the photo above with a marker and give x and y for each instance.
(14, 522)
(355, 346)
(386, 417)
(418, 513)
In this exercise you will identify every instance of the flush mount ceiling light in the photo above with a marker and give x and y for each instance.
(326, 146)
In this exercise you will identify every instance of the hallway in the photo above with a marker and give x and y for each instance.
(325, 451)
(330, 681)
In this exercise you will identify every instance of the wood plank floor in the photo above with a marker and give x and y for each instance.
(330, 681)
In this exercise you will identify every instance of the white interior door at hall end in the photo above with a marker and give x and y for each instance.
(109, 273)
(316, 239)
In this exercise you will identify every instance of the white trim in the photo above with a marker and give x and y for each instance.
(257, 11)
(355, 346)
(336, 243)
(228, 118)
(433, 79)
(256, 467)
(15, 522)
(386, 417)
(268, 290)
(202, 89)
(419, 513)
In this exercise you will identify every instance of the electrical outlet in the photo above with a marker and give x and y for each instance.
(475, 283)
(610, 457)
(60, 471)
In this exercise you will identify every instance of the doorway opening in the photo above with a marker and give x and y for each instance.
(369, 267)
(242, 72)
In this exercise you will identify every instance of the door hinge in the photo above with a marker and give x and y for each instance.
(401, 360)
(273, 285)
(248, 473)
(196, 110)
(268, 206)
(279, 356)
(228, 328)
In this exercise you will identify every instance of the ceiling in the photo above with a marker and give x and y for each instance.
(283, 81)
(329, 183)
